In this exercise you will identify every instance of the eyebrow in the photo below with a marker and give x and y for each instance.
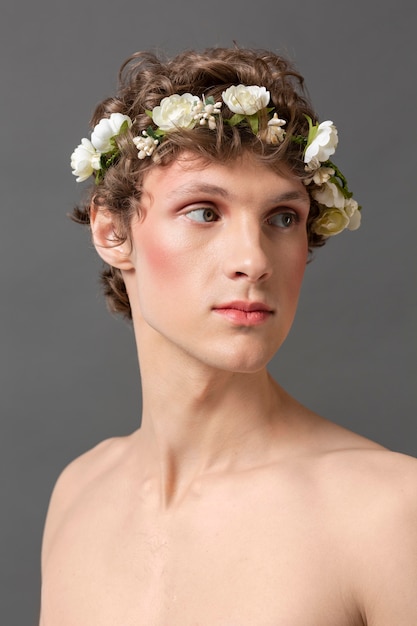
(190, 189)
(208, 188)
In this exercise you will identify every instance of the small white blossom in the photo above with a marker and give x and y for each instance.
(320, 176)
(175, 112)
(85, 160)
(330, 196)
(331, 222)
(246, 100)
(145, 145)
(353, 213)
(323, 144)
(313, 165)
(107, 129)
(204, 113)
(275, 133)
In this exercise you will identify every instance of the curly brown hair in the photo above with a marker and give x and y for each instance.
(144, 79)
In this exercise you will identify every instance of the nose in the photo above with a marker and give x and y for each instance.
(246, 253)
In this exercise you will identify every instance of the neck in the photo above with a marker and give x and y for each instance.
(197, 420)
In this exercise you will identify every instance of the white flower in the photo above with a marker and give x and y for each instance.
(204, 112)
(84, 160)
(353, 213)
(107, 129)
(275, 133)
(246, 100)
(329, 195)
(330, 222)
(313, 165)
(337, 212)
(323, 144)
(145, 145)
(320, 176)
(175, 112)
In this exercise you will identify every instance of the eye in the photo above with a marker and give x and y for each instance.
(203, 215)
(283, 220)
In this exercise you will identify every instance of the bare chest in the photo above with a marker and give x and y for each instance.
(232, 563)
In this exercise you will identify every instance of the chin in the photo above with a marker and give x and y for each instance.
(240, 361)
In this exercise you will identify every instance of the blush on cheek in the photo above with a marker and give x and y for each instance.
(160, 258)
(161, 280)
(164, 260)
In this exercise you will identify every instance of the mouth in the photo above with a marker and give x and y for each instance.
(245, 313)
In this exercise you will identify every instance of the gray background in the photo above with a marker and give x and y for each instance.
(69, 376)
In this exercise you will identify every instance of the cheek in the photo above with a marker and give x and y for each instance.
(158, 279)
(164, 262)
(299, 267)
(159, 258)
(295, 265)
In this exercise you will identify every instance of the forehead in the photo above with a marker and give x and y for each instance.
(244, 177)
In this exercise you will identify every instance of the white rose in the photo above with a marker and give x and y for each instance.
(329, 195)
(106, 129)
(84, 160)
(323, 144)
(176, 112)
(353, 213)
(330, 222)
(246, 100)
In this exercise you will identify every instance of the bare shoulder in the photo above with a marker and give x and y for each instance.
(387, 538)
(372, 495)
(363, 469)
(81, 477)
(352, 458)
(91, 466)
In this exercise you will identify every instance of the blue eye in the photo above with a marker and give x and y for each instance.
(283, 220)
(203, 215)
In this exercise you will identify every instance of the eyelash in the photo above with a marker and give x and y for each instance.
(294, 218)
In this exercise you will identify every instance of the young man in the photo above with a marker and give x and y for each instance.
(232, 505)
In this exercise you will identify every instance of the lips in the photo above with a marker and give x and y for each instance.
(244, 313)
(241, 305)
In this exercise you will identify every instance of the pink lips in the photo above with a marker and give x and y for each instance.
(244, 313)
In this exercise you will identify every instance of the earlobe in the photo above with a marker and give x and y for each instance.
(106, 241)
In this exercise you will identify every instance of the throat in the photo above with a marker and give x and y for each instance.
(222, 429)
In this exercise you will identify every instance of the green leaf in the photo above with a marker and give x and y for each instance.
(155, 134)
(298, 139)
(253, 121)
(148, 112)
(111, 160)
(236, 119)
(312, 130)
(123, 128)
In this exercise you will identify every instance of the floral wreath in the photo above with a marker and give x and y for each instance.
(338, 210)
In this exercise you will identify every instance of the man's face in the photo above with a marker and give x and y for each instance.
(218, 256)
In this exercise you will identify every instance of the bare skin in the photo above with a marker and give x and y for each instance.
(232, 505)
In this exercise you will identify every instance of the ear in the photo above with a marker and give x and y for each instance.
(106, 240)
